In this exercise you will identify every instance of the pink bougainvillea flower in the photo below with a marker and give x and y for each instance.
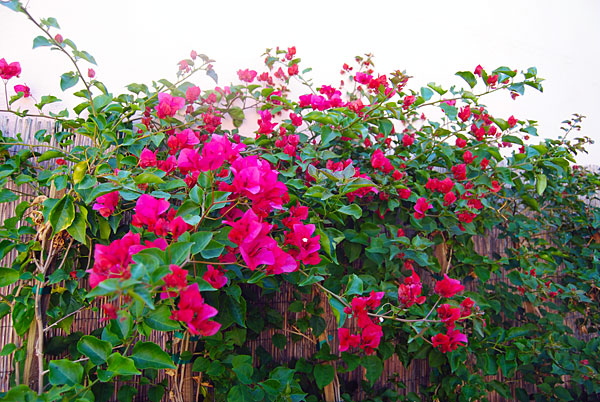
(215, 277)
(293, 70)
(449, 198)
(192, 94)
(404, 193)
(24, 89)
(177, 227)
(110, 312)
(260, 251)
(264, 123)
(449, 342)
(466, 307)
(478, 70)
(347, 340)
(464, 113)
(106, 204)
(448, 314)
(466, 216)
(445, 185)
(147, 158)
(8, 71)
(381, 162)
(484, 163)
(168, 165)
(468, 157)
(363, 78)
(177, 278)
(255, 179)
(306, 247)
(460, 172)
(284, 263)
(408, 140)
(370, 338)
(91, 73)
(189, 161)
(159, 243)
(448, 287)
(246, 75)
(218, 150)
(148, 211)
(296, 119)
(168, 105)
(246, 229)
(512, 121)
(492, 80)
(182, 140)
(374, 299)
(113, 261)
(409, 292)
(408, 100)
(461, 142)
(196, 314)
(297, 215)
(421, 208)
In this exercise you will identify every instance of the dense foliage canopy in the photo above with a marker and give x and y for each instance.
(366, 197)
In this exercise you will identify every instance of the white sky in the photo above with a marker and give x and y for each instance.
(142, 40)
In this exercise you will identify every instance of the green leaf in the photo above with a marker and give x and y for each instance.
(338, 311)
(120, 365)
(352, 361)
(8, 349)
(239, 393)
(79, 226)
(68, 80)
(540, 183)
(149, 355)
(242, 367)
(101, 101)
(46, 99)
(85, 56)
(491, 367)
(7, 196)
(279, 341)
(355, 285)
(160, 320)
(317, 325)
(39, 41)
(374, 367)
(97, 350)
(51, 154)
(529, 201)
(437, 88)
(200, 240)
(426, 93)
(351, 209)
(563, 394)
(147, 178)
(65, 372)
(201, 364)
(512, 139)
(62, 214)
(324, 374)
(469, 77)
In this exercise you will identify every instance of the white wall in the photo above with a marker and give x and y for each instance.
(137, 41)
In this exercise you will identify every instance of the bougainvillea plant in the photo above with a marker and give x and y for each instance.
(368, 195)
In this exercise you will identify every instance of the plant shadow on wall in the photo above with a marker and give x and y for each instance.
(172, 228)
